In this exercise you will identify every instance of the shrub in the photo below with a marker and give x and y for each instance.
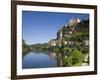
(75, 59)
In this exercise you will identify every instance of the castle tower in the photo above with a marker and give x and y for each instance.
(74, 21)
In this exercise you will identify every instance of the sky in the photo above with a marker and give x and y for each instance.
(41, 27)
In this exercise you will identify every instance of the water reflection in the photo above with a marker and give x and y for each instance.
(39, 60)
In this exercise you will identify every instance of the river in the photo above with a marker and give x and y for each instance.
(39, 60)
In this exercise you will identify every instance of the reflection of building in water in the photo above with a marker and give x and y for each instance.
(53, 55)
(58, 57)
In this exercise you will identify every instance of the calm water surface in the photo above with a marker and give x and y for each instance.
(38, 60)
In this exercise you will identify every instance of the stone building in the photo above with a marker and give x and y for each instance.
(52, 42)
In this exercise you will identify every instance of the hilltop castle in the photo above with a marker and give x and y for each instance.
(65, 33)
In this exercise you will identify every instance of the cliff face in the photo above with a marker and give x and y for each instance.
(73, 27)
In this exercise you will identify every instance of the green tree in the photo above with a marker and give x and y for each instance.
(25, 48)
(75, 59)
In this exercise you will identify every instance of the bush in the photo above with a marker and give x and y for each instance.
(75, 59)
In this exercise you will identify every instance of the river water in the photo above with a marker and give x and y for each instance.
(38, 60)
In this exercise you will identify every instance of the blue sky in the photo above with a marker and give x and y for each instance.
(41, 27)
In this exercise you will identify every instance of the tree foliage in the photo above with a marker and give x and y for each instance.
(75, 59)
(25, 48)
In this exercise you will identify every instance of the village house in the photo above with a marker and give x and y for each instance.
(52, 42)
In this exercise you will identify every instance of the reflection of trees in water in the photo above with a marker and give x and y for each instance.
(66, 57)
(59, 60)
(58, 57)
